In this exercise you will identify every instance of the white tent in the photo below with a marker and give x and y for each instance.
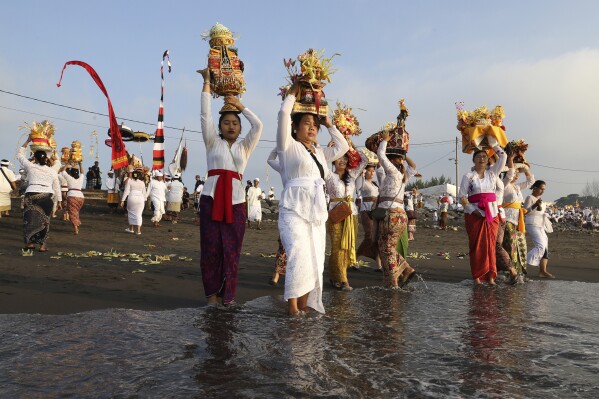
(431, 194)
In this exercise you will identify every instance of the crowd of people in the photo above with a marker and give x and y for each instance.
(326, 193)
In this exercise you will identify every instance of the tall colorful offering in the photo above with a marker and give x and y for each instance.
(312, 70)
(226, 69)
(481, 128)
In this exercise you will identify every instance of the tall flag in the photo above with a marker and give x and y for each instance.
(158, 150)
(119, 154)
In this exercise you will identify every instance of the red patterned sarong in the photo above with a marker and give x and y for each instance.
(74, 205)
(482, 238)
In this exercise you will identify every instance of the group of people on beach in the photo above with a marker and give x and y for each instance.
(319, 185)
(493, 222)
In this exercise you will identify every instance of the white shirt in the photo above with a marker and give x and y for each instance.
(112, 184)
(534, 217)
(73, 185)
(5, 186)
(513, 193)
(218, 153)
(134, 188)
(368, 189)
(393, 185)
(175, 191)
(296, 163)
(471, 184)
(336, 188)
(254, 195)
(42, 178)
(157, 190)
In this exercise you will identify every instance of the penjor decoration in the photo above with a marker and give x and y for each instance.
(119, 154)
(312, 70)
(400, 138)
(158, 150)
(226, 69)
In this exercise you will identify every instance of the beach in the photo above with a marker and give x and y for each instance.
(69, 278)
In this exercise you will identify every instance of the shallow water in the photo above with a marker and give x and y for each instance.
(539, 340)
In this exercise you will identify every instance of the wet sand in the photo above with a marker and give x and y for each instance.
(49, 283)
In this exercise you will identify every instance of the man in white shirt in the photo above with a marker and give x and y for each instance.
(254, 196)
(157, 192)
(7, 185)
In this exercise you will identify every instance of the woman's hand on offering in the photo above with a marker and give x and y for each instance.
(294, 89)
(234, 101)
(386, 135)
(205, 74)
(326, 121)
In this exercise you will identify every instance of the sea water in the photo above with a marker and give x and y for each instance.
(435, 340)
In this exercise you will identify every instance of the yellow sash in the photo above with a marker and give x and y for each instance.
(522, 211)
(348, 234)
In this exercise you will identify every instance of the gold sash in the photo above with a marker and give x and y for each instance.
(522, 211)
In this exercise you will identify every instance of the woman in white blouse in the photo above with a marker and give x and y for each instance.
(369, 193)
(340, 187)
(75, 198)
(38, 200)
(396, 270)
(536, 220)
(302, 208)
(478, 196)
(514, 238)
(222, 204)
(135, 195)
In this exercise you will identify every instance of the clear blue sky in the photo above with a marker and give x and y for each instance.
(539, 59)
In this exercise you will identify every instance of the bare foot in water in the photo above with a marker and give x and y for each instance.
(546, 275)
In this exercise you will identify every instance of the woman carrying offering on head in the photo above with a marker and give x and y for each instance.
(396, 270)
(340, 186)
(302, 208)
(75, 198)
(514, 238)
(222, 204)
(38, 201)
(478, 195)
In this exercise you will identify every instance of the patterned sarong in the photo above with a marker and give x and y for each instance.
(482, 238)
(220, 250)
(36, 217)
(514, 242)
(390, 230)
(74, 206)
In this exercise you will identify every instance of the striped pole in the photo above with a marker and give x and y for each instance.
(158, 150)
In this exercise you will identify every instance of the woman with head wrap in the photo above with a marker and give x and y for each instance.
(38, 201)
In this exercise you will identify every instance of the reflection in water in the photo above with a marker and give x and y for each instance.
(538, 340)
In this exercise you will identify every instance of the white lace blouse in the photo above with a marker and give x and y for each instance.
(368, 189)
(471, 184)
(42, 178)
(298, 169)
(393, 185)
(74, 185)
(513, 193)
(336, 188)
(218, 154)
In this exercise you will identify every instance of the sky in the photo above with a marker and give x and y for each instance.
(538, 59)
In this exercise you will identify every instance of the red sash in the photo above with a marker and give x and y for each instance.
(223, 194)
